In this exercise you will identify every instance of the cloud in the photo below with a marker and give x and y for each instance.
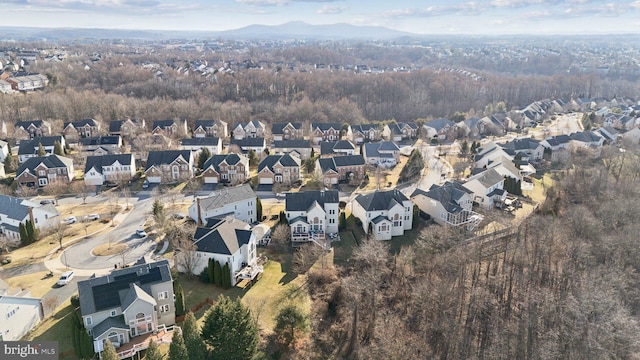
(331, 9)
(129, 7)
(280, 2)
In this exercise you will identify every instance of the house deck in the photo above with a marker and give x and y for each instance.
(138, 343)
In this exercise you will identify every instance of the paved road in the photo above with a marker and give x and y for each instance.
(79, 255)
(60, 294)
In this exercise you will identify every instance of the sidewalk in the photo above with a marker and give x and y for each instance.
(55, 264)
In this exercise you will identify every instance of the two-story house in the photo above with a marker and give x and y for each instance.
(167, 166)
(114, 168)
(312, 215)
(171, 128)
(400, 131)
(439, 128)
(238, 201)
(384, 154)
(449, 204)
(287, 131)
(383, 213)
(334, 148)
(341, 169)
(364, 132)
(127, 303)
(15, 211)
(229, 242)
(196, 144)
(30, 148)
(527, 149)
(40, 171)
(283, 169)
(24, 130)
(325, 132)
(101, 145)
(210, 128)
(229, 168)
(556, 147)
(257, 144)
(84, 128)
(4, 150)
(252, 129)
(126, 128)
(20, 313)
(488, 189)
(300, 147)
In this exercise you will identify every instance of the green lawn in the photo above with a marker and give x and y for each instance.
(57, 328)
(343, 249)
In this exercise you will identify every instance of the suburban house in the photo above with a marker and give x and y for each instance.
(15, 211)
(283, 169)
(169, 127)
(586, 139)
(300, 147)
(20, 314)
(127, 303)
(229, 168)
(384, 154)
(40, 171)
(5, 86)
(384, 213)
(341, 168)
(27, 81)
(325, 132)
(557, 147)
(210, 128)
(102, 144)
(24, 130)
(400, 131)
(236, 201)
(252, 129)
(340, 147)
(449, 204)
(4, 150)
(526, 149)
(166, 166)
(114, 168)
(487, 188)
(29, 148)
(229, 242)
(125, 128)
(84, 128)
(287, 131)
(439, 128)
(196, 144)
(312, 215)
(632, 137)
(609, 134)
(487, 153)
(364, 132)
(257, 144)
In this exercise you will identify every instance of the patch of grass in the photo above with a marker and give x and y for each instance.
(408, 239)
(109, 249)
(37, 284)
(343, 249)
(57, 328)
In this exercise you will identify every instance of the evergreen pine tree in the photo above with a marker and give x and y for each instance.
(217, 273)
(57, 148)
(192, 340)
(210, 272)
(109, 352)
(205, 154)
(258, 209)
(41, 150)
(180, 306)
(226, 276)
(178, 349)
(24, 238)
(229, 330)
(153, 352)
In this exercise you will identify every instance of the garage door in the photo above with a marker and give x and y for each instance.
(266, 180)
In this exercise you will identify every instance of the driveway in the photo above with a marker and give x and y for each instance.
(60, 294)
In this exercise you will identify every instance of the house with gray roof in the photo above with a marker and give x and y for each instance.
(383, 213)
(487, 188)
(287, 131)
(169, 127)
(341, 169)
(325, 132)
(196, 144)
(257, 144)
(30, 148)
(20, 314)
(114, 168)
(228, 168)
(439, 128)
(40, 171)
(340, 147)
(126, 128)
(252, 129)
(282, 169)
(228, 241)
(15, 211)
(312, 216)
(400, 131)
(384, 154)
(239, 201)
(528, 149)
(365, 132)
(84, 128)
(95, 145)
(300, 147)
(449, 204)
(169, 166)
(128, 303)
(210, 128)
(556, 147)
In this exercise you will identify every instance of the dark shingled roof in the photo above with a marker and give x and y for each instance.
(325, 126)
(97, 162)
(278, 128)
(166, 157)
(115, 125)
(585, 136)
(248, 142)
(448, 194)
(439, 124)
(51, 162)
(558, 140)
(301, 201)
(381, 200)
(26, 124)
(12, 207)
(363, 128)
(521, 144)
(109, 323)
(31, 146)
(100, 140)
(205, 141)
(335, 162)
(330, 147)
(271, 160)
(216, 160)
(81, 123)
(203, 124)
(224, 237)
(289, 144)
(163, 123)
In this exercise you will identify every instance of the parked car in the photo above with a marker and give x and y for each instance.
(47, 201)
(70, 220)
(65, 278)
(145, 184)
(141, 233)
(93, 217)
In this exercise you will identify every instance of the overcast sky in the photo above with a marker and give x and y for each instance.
(423, 17)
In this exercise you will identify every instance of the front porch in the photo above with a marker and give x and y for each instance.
(162, 335)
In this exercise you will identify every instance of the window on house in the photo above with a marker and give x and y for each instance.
(88, 320)
(163, 295)
(164, 308)
(113, 313)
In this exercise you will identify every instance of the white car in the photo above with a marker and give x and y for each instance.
(93, 217)
(141, 233)
(65, 278)
(70, 220)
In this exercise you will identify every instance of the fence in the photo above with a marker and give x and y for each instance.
(200, 305)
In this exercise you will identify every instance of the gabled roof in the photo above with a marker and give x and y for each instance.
(111, 322)
(271, 160)
(295, 143)
(163, 123)
(439, 124)
(228, 195)
(51, 162)
(15, 208)
(302, 201)
(225, 237)
(278, 128)
(585, 136)
(381, 200)
(206, 123)
(31, 146)
(363, 128)
(26, 124)
(447, 194)
(160, 157)
(248, 142)
(487, 178)
(330, 147)
(101, 140)
(325, 126)
(97, 162)
(333, 163)
(81, 123)
(521, 144)
(116, 125)
(378, 219)
(216, 160)
(206, 141)
(557, 140)
(109, 291)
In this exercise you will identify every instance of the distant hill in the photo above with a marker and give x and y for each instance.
(291, 30)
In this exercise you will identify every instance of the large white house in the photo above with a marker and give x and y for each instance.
(227, 241)
(488, 188)
(312, 215)
(385, 213)
(239, 201)
(114, 168)
(449, 204)
(16, 211)
(19, 314)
